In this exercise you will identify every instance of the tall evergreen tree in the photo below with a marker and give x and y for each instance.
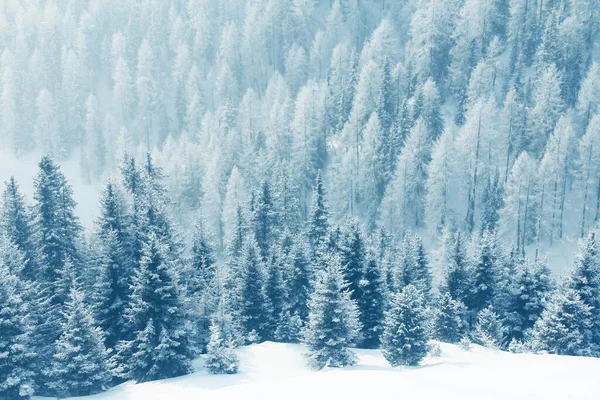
(353, 253)
(264, 219)
(333, 324)
(485, 273)
(449, 321)
(160, 347)
(404, 339)
(372, 304)
(457, 279)
(15, 223)
(16, 360)
(80, 365)
(319, 216)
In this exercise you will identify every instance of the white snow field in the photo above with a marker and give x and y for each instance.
(277, 371)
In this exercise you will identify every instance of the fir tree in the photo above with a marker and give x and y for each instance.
(319, 216)
(277, 296)
(353, 252)
(414, 265)
(492, 203)
(489, 330)
(299, 276)
(16, 360)
(80, 365)
(221, 357)
(404, 339)
(254, 309)
(160, 347)
(564, 327)
(333, 324)
(485, 273)
(15, 223)
(457, 280)
(264, 219)
(585, 280)
(449, 321)
(372, 303)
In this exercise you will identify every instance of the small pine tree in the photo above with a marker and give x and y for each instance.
(404, 339)
(372, 304)
(333, 324)
(489, 331)
(221, 357)
(564, 327)
(319, 217)
(288, 328)
(16, 373)
(80, 364)
(450, 319)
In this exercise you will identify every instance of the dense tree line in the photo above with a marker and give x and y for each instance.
(137, 298)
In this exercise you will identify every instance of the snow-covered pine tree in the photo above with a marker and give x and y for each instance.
(254, 308)
(585, 280)
(318, 227)
(277, 296)
(414, 269)
(488, 329)
(16, 360)
(80, 364)
(492, 203)
(372, 304)
(564, 327)
(299, 275)
(221, 357)
(449, 324)
(457, 278)
(353, 253)
(485, 272)
(264, 219)
(15, 224)
(333, 324)
(160, 347)
(404, 338)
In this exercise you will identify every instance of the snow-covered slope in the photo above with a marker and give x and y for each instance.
(277, 371)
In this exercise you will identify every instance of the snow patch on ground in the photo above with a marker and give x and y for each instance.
(278, 371)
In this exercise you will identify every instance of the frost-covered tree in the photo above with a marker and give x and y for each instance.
(333, 324)
(404, 338)
(221, 357)
(488, 330)
(450, 319)
(564, 326)
(457, 278)
(372, 303)
(588, 176)
(80, 365)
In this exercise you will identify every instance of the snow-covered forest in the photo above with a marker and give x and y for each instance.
(341, 173)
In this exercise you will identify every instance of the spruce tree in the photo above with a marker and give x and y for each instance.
(585, 280)
(299, 276)
(372, 304)
(277, 296)
(318, 227)
(457, 279)
(16, 360)
(264, 219)
(488, 329)
(333, 324)
(353, 252)
(80, 365)
(564, 327)
(221, 357)
(492, 203)
(485, 273)
(414, 268)
(254, 308)
(404, 338)
(160, 347)
(449, 324)
(15, 223)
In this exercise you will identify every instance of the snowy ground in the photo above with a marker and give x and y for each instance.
(277, 371)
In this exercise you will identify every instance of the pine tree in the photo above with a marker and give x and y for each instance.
(254, 308)
(485, 273)
(80, 365)
(353, 253)
(372, 304)
(298, 277)
(492, 203)
(488, 329)
(221, 357)
(333, 324)
(450, 319)
(564, 327)
(457, 279)
(16, 362)
(319, 216)
(263, 219)
(404, 338)
(585, 281)
(276, 294)
(15, 223)
(160, 347)
(414, 265)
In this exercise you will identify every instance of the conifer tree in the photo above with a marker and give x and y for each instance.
(414, 268)
(80, 365)
(15, 223)
(372, 304)
(353, 253)
(488, 329)
(585, 280)
(564, 327)
(404, 338)
(457, 279)
(485, 273)
(263, 219)
(160, 347)
(254, 308)
(299, 276)
(16, 362)
(449, 321)
(333, 324)
(221, 357)
(319, 216)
